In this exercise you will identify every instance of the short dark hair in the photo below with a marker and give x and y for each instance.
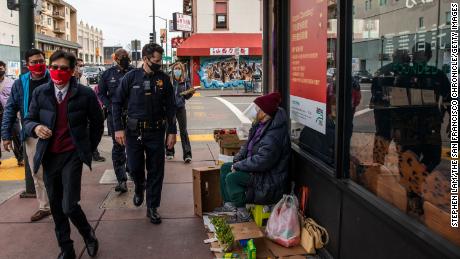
(150, 48)
(79, 59)
(33, 52)
(2, 64)
(66, 55)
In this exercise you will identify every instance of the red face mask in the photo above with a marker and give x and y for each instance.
(60, 77)
(37, 69)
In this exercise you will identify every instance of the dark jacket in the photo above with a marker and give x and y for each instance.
(108, 84)
(180, 87)
(85, 117)
(15, 104)
(269, 163)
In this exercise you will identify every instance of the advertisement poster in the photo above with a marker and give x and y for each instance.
(226, 72)
(309, 63)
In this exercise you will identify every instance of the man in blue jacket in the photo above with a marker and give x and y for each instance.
(19, 100)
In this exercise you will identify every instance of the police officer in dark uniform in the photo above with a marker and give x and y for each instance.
(108, 84)
(149, 96)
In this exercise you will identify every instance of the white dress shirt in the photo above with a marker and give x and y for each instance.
(63, 91)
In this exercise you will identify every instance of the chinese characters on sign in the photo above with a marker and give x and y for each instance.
(229, 51)
(182, 22)
(309, 63)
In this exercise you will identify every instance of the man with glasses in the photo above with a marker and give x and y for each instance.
(107, 87)
(67, 119)
(19, 100)
(5, 91)
(149, 96)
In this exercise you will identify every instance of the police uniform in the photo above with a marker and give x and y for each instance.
(108, 84)
(150, 105)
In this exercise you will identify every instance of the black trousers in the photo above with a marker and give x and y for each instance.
(181, 116)
(18, 149)
(147, 153)
(118, 154)
(62, 177)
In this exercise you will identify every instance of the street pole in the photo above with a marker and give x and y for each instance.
(26, 42)
(381, 51)
(26, 29)
(153, 15)
(166, 38)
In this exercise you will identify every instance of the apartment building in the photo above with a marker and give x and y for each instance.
(56, 27)
(91, 41)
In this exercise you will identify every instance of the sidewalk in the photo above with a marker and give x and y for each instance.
(123, 231)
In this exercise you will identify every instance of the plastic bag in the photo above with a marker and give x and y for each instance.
(283, 226)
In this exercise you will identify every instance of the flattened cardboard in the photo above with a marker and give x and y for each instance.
(283, 252)
(246, 230)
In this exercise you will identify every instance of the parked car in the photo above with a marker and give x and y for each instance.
(92, 74)
(363, 76)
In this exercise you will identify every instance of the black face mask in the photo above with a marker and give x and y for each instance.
(2, 73)
(155, 67)
(124, 62)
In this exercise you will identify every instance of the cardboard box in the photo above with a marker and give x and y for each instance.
(438, 220)
(247, 230)
(283, 252)
(389, 189)
(206, 189)
(230, 141)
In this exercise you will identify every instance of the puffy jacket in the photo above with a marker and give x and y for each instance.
(85, 117)
(269, 163)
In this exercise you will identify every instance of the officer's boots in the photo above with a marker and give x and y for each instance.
(121, 187)
(138, 198)
(153, 215)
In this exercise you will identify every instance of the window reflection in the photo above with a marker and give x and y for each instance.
(400, 133)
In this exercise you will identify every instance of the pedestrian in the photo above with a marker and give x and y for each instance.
(6, 84)
(182, 93)
(108, 84)
(19, 100)
(81, 79)
(149, 96)
(67, 119)
(259, 172)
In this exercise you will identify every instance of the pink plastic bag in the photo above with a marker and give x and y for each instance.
(283, 226)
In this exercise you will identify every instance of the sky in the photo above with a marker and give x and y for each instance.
(122, 21)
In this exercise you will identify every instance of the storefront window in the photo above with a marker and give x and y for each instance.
(400, 141)
(313, 41)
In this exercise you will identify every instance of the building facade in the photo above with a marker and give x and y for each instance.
(56, 27)
(9, 39)
(108, 54)
(91, 41)
(225, 47)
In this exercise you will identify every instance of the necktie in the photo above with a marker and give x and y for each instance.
(59, 96)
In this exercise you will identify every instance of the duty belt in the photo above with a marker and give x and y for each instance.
(151, 125)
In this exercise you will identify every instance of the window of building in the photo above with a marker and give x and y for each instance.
(49, 6)
(50, 21)
(67, 25)
(67, 37)
(448, 18)
(383, 2)
(221, 13)
(398, 135)
(313, 111)
(66, 10)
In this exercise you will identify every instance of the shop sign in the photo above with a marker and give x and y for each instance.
(176, 42)
(182, 22)
(308, 46)
(229, 51)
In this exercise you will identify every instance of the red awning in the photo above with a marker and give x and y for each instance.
(200, 44)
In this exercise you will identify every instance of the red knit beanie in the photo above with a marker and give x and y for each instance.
(269, 103)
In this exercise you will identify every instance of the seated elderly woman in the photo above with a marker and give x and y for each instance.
(259, 172)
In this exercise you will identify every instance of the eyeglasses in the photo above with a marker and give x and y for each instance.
(35, 62)
(56, 67)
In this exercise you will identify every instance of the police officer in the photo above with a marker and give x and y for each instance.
(149, 96)
(108, 84)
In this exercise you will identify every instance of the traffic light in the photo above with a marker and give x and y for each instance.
(151, 38)
(12, 5)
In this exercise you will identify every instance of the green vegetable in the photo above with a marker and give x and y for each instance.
(223, 232)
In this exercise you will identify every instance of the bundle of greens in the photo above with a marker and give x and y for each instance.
(223, 232)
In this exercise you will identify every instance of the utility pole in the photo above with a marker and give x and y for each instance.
(153, 15)
(26, 29)
(26, 42)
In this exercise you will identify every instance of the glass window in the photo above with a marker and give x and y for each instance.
(221, 15)
(313, 45)
(399, 144)
(50, 22)
(448, 18)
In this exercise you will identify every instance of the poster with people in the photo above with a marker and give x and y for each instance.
(228, 72)
(308, 65)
